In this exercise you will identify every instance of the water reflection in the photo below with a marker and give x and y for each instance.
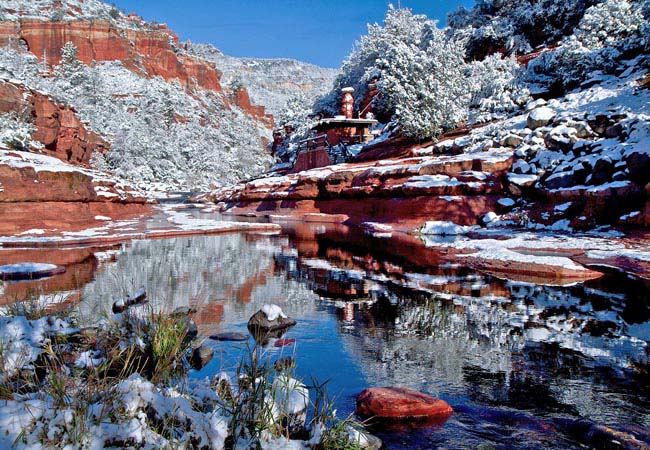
(513, 358)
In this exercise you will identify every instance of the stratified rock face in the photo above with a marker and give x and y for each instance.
(29, 177)
(149, 50)
(405, 193)
(57, 126)
(38, 192)
(395, 403)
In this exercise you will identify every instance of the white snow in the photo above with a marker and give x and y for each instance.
(444, 228)
(522, 179)
(620, 253)
(506, 202)
(291, 396)
(273, 312)
(562, 208)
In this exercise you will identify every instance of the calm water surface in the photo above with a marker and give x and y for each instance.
(514, 359)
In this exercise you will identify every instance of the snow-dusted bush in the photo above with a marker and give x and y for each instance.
(498, 89)
(606, 33)
(296, 114)
(424, 82)
(609, 23)
(515, 26)
(15, 132)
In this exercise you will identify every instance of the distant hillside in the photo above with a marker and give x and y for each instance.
(270, 82)
(163, 113)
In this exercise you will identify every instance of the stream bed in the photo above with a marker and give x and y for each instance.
(517, 361)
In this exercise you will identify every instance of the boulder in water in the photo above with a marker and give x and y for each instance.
(269, 319)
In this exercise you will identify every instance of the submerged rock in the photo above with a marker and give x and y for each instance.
(29, 271)
(230, 336)
(396, 404)
(284, 342)
(269, 319)
(139, 297)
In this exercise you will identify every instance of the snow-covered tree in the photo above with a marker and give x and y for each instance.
(420, 73)
(606, 33)
(16, 132)
(424, 81)
(497, 88)
(516, 26)
(609, 23)
(296, 114)
(400, 27)
(71, 69)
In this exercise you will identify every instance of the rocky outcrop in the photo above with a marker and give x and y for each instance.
(29, 177)
(242, 100)
(151, 50)
(39, 192)
(405, 192)
(58, 128)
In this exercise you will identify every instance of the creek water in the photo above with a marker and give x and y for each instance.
(519, 362)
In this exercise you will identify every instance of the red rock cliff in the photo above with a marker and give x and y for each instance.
(57, 126)
(151, 51)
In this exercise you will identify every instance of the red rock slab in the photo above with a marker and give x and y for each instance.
(411, 211)
(19, 217)
(396, 404)
(532, 273)
(625, 264)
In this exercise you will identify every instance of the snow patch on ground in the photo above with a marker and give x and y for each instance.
(443, 228)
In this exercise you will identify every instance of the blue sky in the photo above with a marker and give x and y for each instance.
(318, 31)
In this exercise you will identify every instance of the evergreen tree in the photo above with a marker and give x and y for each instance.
(71, 69)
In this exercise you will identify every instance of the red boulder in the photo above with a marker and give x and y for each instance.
(394, 403)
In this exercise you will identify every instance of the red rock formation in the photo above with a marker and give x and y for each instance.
(58, 184)
(20, 217)
(242, 100)
(57, 126)
(396, 403)
(149, 50)
(38, 192)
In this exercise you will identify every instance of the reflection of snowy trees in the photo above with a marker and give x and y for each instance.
(198, 271)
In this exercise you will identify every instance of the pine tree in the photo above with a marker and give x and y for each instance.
(71, 68)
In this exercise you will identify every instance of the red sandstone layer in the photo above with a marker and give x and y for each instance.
(149, 50)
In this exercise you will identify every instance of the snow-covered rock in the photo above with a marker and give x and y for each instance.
(540, 117)
(444, 228)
